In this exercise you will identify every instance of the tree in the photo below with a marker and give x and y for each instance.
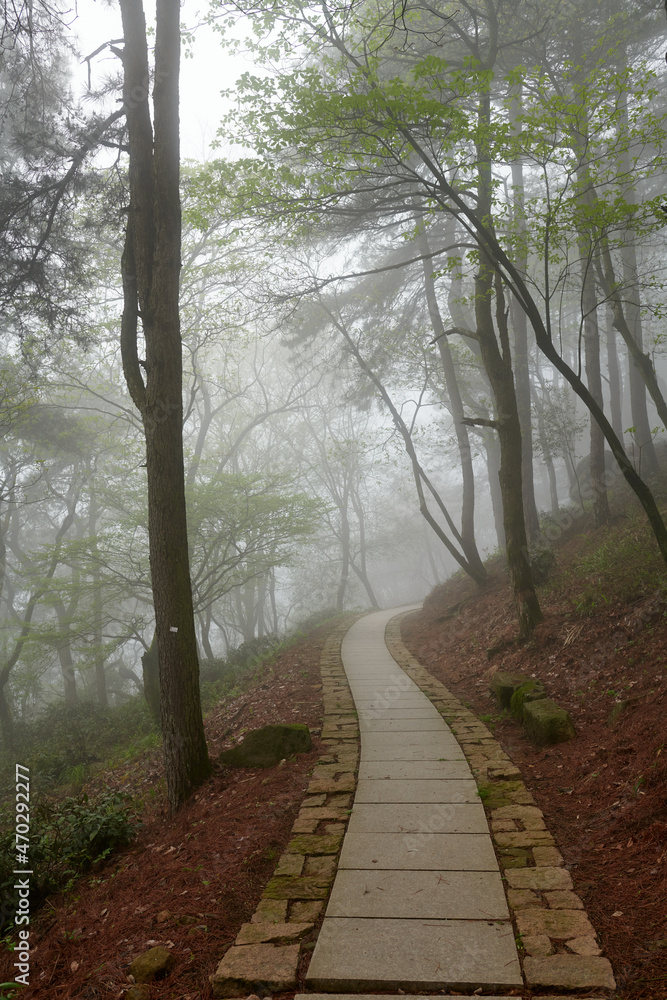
(150, 267)
(396, 121)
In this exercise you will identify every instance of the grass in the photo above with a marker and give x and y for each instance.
(616, 564)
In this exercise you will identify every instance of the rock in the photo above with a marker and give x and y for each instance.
(584, 946)
(325, 866)
(513, 857)
(267, 746)
(270, 911)
(520, 898)
(503, 685)
(315, 844)
(297, 887)
(542, 879)
(151, 964)
(570, 971)
(529, 691)
(137, 993)
(547, 857)
(269, 966)
(290, 864)
(272, 933)
(306, 911)
(546, 723)
(563, 900)
(537, 945)
(559, 924)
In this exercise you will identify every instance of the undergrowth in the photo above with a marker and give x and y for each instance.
(67, 838)
(618, 564)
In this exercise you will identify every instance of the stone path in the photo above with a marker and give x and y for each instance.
(417, 902)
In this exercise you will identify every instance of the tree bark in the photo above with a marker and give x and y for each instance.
(496, 355)
(520, 329)
(468, 542)
(151, 267)
(614, 374)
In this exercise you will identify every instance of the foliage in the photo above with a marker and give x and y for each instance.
(67, 839)
(60, 744)
(616, 564)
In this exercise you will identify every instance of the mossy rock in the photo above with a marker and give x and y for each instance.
(495, 794)
(152, 964)
(529, 691)
(503, 685)
(267, 746)
(546, 723)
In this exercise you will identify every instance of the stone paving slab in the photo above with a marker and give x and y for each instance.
(413, 954)
(392, 749)
(432, 724)
(400, 770)
(419, 851)
(409, 817)
(404, 699)
(418, 894)
(417, 790)
(397, 714)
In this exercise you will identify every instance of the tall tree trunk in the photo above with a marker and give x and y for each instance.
(64, 651)
(589, 315)
(594, 379)
(344, 537)
(492, 452)
(614, 374)
(648, 460)
(151, 266)
(498, 366)
(520, 328)
(361, 570)
(468, 542)
(98, 609)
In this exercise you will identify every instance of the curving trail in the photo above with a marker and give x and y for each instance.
(418, 902)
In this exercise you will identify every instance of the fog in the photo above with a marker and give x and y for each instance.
(413, 237)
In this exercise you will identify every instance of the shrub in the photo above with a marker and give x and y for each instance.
(66, 839)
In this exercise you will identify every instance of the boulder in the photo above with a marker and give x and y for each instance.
(152, 964)
(547, 723)
(528, 691)
(503, 685)
(269, 745)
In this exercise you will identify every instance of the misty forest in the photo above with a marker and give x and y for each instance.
(403, 320)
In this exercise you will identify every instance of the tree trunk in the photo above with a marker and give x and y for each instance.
(64, 651)
(345, 551)
(594, 379)
(151, 266)
(520, 328)
(614, 373)
(492, 451)
(498, 366)
(468, 542)
(362, 570)
(647, 460)
(151, 677)
(98, 609)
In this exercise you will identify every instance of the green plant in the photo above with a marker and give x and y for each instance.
(67, 838)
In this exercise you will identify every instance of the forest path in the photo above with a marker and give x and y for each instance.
(418, 902)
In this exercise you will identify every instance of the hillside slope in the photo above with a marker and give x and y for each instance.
(602, 654)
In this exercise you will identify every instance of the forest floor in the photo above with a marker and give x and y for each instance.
(187, 883)
(190, 882)
(604, 794)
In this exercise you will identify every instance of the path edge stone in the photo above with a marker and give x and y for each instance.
(266, 955)
(537, 884)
